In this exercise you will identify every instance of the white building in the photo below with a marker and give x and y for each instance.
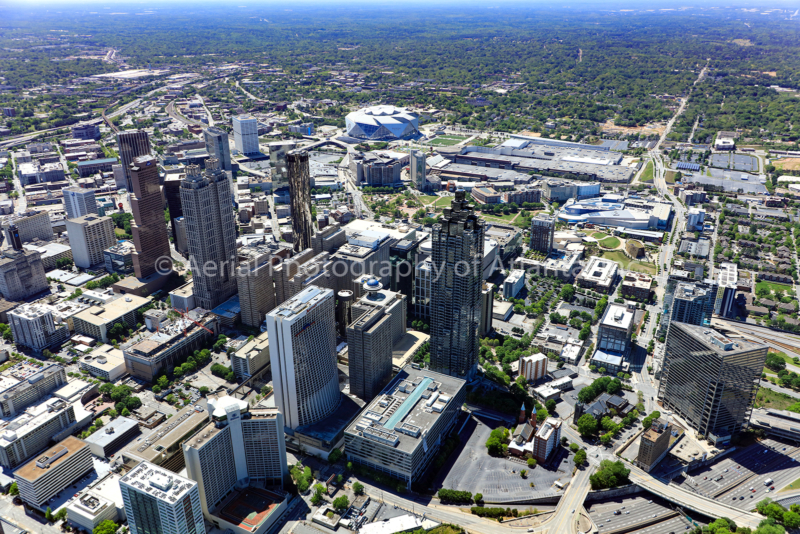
(695, 218)
(36, 327)
(303, 357)
(89, 237)
(157, 500)
(240, 450)
(32, 431)
(79, 202)
(103, 502)
(546, 439)
(533, 367)
(599, 274)
(52, 472)
(30, 225)
(104, 362)
(513, 283)
(245, 134)
(252, 357)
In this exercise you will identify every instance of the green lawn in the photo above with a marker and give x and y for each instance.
(599, 235)
(786, 358)
(609, 242)
(774, 399)
(427, 199)
(500, 218)
(647, 175)
(629, 264)
(443, 202)
(669, 177)
(447, 140)
(775, 286)
(119, 231)
(793, 486)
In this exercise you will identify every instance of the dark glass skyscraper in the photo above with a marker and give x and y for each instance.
(132, 144)
(710, 380)
(218, 146)
(542, 232)
(456, 289)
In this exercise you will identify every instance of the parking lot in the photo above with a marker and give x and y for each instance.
(740, 479)
(628, 512)
(739, 162)
(498, 479)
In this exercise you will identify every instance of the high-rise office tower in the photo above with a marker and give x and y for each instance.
(238, 448)
(369, 340)
(302, 352)
(89, 236)
(254, 282)
(300, 195)
(542, 231)
(688, 301)
(710, 380)
(148, 229)
(21, 274)
(218, 146)
(457, 240)
(245, 134)
(210, 232)
(160, 501)
(132, 144)
(277, 159)
(79, 202)
(418, 169)
(487, 308)
(172, 194)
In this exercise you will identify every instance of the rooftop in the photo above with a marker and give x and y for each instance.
(102, 315)
(618, 316)
(407, 408)
(158, 482)
(600, 270)
(305, 300)
(111, 431)
(30, 420)
(168, 435)
(53, 457)
(722, 344)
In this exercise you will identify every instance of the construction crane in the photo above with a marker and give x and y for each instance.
(185, 315)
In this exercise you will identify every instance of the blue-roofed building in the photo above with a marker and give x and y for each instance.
(400, 431)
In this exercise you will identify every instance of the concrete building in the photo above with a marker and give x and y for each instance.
(653, 445)
(513, 284)
(533, 367)
(547, 438)
(54, 471)
(17, 392)
(32, 431)
(254, 279)
(85, 131)
(118, 258)
(112, 436)
(728, 282)
(362, 255)
(237, 455)
(599, 275)
(211, 233)
(636, 285)
(402, 429)
(251, 357)
(300, 199)
(487, 307)
(218, 146)
(303, 357)
(35, 326)
(21, 274)
(615, 329)
(104, 362)
(561, 190)
(710, 381)
(394, 303)
(91, 507)
(328, 239)
(157, 500)
(94, 166)
(542, 231)
(458, 241)
(245, 135)
(418, 170)
(50, 253)
(132, 144)
(181, 237)
(89, 237)
(149, 353)
(30, 225)
(695, 218)
(79, 202)
(98, 320)
(148, 229)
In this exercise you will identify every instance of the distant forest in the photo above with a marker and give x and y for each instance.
(579, 66)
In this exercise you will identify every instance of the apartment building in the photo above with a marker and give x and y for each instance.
(29, 225)
(89, 237)
(18, 391)
(36, 326)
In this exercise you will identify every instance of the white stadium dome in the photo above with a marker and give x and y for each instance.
(382, 123)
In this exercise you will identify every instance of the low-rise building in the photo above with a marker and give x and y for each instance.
(401, 430)
(636, 285)
(599, 275)
(98, 320)
(104, 362)
(54, 471)
(118, 258)
(486, 195)
(32, 431)
(112, 437)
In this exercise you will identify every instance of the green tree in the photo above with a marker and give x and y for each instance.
(106, 527)
(358, 488)
(13, 489)
(580, 457)
(791, 520)
(587, 425)
(478, 497)
(341, 503)
(531, 462)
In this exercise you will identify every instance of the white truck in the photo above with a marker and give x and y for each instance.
(768, 482)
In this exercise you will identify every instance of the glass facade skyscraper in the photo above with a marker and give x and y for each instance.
(710, 380)
(456, 287)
